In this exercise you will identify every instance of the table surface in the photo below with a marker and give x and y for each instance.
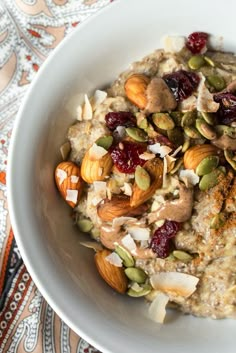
(29, 31)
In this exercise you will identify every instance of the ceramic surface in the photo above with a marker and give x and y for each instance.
(63, 270)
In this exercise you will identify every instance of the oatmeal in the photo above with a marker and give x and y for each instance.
(150, 176)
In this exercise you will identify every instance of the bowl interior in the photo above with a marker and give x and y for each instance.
(64, 271)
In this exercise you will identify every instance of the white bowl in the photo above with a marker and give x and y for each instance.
(63, 270)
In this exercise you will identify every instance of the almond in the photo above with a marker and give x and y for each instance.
(194, 155)
(69, 182)
(118, 206)
(112, 275)
(135, 89)
(94, 168)
(154, 167)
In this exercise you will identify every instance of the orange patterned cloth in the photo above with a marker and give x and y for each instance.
(29, 31)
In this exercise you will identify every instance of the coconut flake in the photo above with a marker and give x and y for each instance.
(120, 221)
(165, 168)
(61, 175)
(176, 151)
(173, 44)
(79, 113)
(114, 259)
(97, 152)
(72, 195)
(157, 309)
(74, 179)
(147, 156)
(138, 233)
(174, 283)
(189, 177)
(87, 113)
(157, 148)
(205, 101)
(129, 243)
(188, 104)
(92, 245)
(98, 98)
(127, 189)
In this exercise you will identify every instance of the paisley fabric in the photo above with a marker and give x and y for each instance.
(29, 31)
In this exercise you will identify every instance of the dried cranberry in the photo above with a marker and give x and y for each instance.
(114, 119)
(160, 243)
(163, 140)
(182, 83)
(227, 110)
(196, 42)
(125, 156)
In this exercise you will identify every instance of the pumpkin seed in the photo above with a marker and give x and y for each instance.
(142, 178)
(128, 259)
(95, 233)
(177, 117)
(146, 289)
(230, 158)
(136, 274)
(210, 180)
(85, 225)
(182, 255)
(176, 136)
(192, 132)
(196, 62)
(209, 61)
(105, 142)
(163, 121)
(217, 82)
(218, 221)
(186, 144)
(189, 118)
(205, 129)
(178, 164)
(136, 134)
(209, 118)
(207, 165)
(226, 130)
(143, 124)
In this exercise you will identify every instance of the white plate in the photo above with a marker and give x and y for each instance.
(63, 271)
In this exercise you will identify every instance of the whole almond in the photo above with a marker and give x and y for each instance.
(93, 169)
(69, 182)
(135, 89)
(154, 167)
(118, 206)
(112, 275)
(194, 155)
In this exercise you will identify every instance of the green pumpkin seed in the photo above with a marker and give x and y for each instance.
(85, 225)
(146, 289)
(210, 180)
(222, 169)
(209, 61)
(182, 255)
(205, 129)
(128, 259)
(218, 221)
(176, 136)
(105, 142)
(207, 165)
(163, 121)
(217, 82)
(177, 166)
(136, 134)
(136, 274)
(230, 158)
(209, 118)
(189, 118)
(196, 62)
(150, 131)
(95, 233)
(226, 130)
(143, 124)
(192, 132)
(186, 144)
(142, 178)
(177, 117)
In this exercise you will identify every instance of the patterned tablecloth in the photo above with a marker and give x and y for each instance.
(29, 31)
